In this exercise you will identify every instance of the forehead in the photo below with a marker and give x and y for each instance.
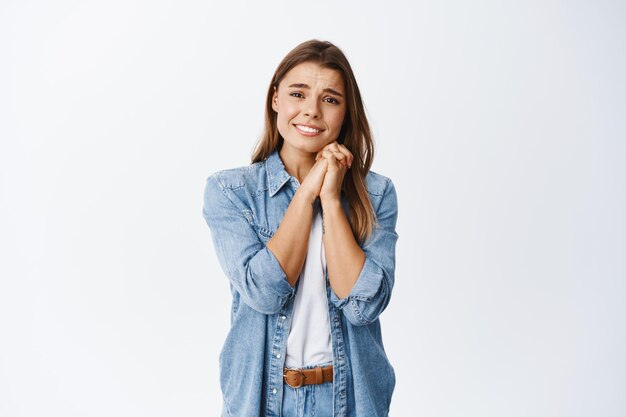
(314, 75)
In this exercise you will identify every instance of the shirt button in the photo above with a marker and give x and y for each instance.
(278, 355)
(274, 391)
(283, 317)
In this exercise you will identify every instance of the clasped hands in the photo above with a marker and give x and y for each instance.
(326, 176)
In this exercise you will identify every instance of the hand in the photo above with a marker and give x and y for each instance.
(339, 161)
(312, 183)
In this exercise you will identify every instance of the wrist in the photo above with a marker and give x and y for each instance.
(305, 195)
(329, 201)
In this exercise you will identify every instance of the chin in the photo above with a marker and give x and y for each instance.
(303, 146)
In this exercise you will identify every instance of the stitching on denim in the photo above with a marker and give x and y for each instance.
(234, 186)
(222, 184)
(387, 181)
(265, 232)
(248, 215)
(357, 313)
(259, 192)
(270, 180)
(375, 194)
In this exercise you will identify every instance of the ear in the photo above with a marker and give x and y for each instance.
(275, 100)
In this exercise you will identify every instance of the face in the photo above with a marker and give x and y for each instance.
(310, 107)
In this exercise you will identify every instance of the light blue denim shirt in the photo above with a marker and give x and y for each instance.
(243, 208)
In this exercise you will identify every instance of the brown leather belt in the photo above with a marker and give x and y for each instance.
(296, 378)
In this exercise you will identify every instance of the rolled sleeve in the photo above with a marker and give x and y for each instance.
(269, 272)
(252, 269)
(371, 293)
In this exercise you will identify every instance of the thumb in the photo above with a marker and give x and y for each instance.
(333, 164)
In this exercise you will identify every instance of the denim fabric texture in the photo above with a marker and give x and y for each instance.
(243, 207)
(308, 400)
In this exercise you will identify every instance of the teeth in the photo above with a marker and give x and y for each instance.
(307, 129)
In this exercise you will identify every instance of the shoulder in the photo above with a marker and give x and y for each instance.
(244, 176)
(382, 194)
(378, 184)
(235, 186)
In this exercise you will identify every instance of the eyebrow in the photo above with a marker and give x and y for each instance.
(326, 90)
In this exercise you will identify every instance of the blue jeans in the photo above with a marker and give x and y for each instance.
(308, 400)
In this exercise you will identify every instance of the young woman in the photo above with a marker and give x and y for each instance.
(306, 235)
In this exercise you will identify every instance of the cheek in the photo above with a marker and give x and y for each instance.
(337, 118)
(286, 113)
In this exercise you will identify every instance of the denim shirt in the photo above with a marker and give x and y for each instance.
(243, 207)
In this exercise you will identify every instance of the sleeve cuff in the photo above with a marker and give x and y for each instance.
(366, 287)
(270, 270)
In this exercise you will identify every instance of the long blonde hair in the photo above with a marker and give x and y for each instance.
(355, 132)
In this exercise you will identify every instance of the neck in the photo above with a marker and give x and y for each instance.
(297, 163)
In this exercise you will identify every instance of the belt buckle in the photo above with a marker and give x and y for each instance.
(298, 370)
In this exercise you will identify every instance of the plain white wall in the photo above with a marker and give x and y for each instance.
(502, 125)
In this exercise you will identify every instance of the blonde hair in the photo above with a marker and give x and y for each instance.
(355, 132)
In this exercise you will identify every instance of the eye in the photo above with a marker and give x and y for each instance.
(296, 94)
(331, 100)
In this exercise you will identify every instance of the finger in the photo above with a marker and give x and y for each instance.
(327, 154)
(333, 161)
(331, 153)
(341, 157)
(343, 150)
(333, 164)
(320, 167)
(346, 151)
(334, 146)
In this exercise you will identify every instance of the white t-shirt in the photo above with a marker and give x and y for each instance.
(309, 341)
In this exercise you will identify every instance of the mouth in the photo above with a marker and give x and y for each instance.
(309, 130)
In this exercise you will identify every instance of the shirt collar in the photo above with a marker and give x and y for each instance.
(277, 176)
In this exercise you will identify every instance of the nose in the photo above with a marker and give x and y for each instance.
(312, 109)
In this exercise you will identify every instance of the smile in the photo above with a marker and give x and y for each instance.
(307, 129)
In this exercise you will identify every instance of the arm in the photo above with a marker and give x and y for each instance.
(344, 257)
(290, 242)
(370, 292)
(252, 269)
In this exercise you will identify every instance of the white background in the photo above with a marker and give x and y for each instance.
(502, 125)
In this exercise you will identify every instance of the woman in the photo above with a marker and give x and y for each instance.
(306, 235)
